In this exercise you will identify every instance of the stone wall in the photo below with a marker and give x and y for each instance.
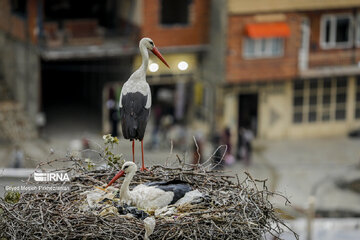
(20, 68)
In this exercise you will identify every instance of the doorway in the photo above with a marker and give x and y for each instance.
(248, 112)
(72, 91)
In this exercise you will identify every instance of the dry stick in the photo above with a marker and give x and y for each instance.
(178, 158)
(170, 153)
(233, 210)
(197, 150)
(213, 155)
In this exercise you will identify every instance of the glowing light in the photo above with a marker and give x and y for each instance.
(183, 65)
(153, 67)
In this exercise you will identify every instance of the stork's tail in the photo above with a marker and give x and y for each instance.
(130, 128)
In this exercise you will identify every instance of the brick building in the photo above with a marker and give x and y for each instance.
(180, 31)
(62, 57)
(291, 68)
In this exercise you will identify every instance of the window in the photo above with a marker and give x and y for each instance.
(175, 12)
(336, 31)
(357, 99)
(340, 98)
(323, 100)
(357, 30)
(263, 47)
(19, 7)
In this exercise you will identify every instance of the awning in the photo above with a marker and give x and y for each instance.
(267, 30)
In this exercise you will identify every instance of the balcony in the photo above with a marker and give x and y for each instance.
(332, 62)
(82, 29)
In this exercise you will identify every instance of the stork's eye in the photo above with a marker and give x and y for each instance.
(152, 43)
(126, 167)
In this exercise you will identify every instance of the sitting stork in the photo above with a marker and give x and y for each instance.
(135, 99)
(151, 195)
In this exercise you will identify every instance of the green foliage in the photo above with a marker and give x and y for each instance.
(12, 197)
(112, 159)
(90, 164)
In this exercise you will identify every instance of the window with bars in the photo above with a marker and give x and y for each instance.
(357, 98)
(19, 7)
(263, 47)
(336, 31)
(316, 100)
(175, 12)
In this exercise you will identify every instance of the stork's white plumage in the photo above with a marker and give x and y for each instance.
(135, 99)
(149, 196)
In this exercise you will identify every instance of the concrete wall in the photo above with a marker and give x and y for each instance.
(330, 128)
(258, 6)
(213, 62)
(275, 113)
(131, 10)
(275, 107)
(21, 70)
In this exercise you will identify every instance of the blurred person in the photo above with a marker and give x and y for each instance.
(244, 150)
(178, 135)
(166, 123)
(226, 140)
(241, 146)
(113, 112)
(157, 122)
(218, 162)
(85, 147)
(40, 121)
(18, 158)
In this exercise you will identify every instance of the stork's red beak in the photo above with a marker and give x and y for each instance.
(117, 176)
(158, 54)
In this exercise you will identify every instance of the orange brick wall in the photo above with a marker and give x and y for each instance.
(10, 23)
(15, 25)
(32, 18)
(195, 33)
(239, 69)
(319, 57)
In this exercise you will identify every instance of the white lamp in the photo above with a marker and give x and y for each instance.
(183, 65)
(153, 67)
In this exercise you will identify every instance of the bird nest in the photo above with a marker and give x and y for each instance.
(232, 208)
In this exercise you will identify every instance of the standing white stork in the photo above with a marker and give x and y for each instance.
(135, 99)
(151, 195)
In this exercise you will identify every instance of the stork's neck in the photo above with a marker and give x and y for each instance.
(145, 58)
(124, 190)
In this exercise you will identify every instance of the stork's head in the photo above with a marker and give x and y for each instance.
(127, 167)
(149, 44)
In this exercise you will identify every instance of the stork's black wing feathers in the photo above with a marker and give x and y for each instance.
(134, 115)
(175, 181)
(178, 187)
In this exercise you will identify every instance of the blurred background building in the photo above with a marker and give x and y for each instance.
(284, 70)
(60, 58)
(292, 68)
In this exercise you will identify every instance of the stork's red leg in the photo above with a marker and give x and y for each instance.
(133, 150)
(142, 157)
